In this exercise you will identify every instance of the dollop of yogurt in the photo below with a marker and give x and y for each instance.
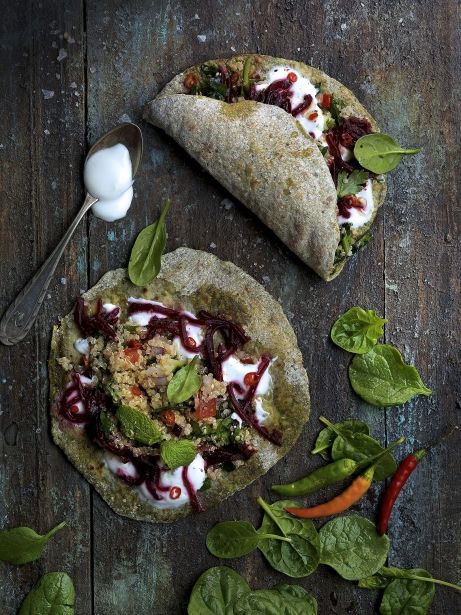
(171, 488)
(234, 370)
(359, 217)
(311, 119)
(108, 176)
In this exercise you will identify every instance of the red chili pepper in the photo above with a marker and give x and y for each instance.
(326, 101)
(401, 475)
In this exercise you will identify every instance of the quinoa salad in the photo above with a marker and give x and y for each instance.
(172, 398)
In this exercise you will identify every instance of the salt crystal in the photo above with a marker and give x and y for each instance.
(46, 131)
(212, 245)
(63, 281)
(47, 94)
(62, 55)
(201, 38)
(92, 70)
(73, 84)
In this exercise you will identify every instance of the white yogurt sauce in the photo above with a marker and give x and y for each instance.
(299, 89)
(359, 217)
(108, 176)
(196, 474)
(82, 346)
(233, 370)
(260, 413)
(75, 395)
(142, 318)
(109, 307)
(119, 468)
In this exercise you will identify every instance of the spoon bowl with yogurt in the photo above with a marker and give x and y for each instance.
(110, 166)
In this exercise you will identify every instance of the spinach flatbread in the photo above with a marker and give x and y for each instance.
(279, 135)
(172, 397)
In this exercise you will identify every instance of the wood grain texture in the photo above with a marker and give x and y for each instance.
(402, 60)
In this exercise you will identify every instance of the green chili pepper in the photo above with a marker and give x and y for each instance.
(322, 477)
(246, 75)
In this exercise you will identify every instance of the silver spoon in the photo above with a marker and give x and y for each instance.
(21, 315)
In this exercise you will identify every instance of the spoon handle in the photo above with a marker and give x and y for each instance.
(21, 315)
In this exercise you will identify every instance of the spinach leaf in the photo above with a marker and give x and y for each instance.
(54, 594)
(295, 591)
(137, 426)
(360, 447)
(274, 602)
(185, 383)
(408, 597)
(232, 539)
(399, 573)
(177, 453)
(327, 436)
(379, 153)
(352, 547)
(297, 558)
(146, 254)
(375, 581)
(350, 183)
(216, 591)
(382, 378)
(20, 545)
(357, 330)
(236, 538)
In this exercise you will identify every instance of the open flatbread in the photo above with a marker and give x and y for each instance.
(158, 420)
(279, 135)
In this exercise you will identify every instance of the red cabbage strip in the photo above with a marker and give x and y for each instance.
(195, 502)
(233, 335)
(143, 306)
(346, 134)
(228, 453)
(101, 322)
(161, 326)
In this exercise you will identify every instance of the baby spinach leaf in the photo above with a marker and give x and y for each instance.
(177, 453)
(54, 594)
(185, 383)
(379, 153)
(408, 597)
(273, 602)
(216, 591)
(375, 581)
(357, 330)
(295, 591)
(236, 538)
(327, 436)
(352, 547)
(399, 573)
(382, 378)
(137, 426)
(20, 545)
(146, 254)
(297, 558)
(359, 446)
(350, 183)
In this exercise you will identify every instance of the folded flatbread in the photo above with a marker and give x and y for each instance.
(278, 135)
(111, 363)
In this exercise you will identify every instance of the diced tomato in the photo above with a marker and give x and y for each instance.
(190, 80)
(168, 418)
(313, 116)
(293, 77)
(326, 101)
(204, 409)
(134, 344)
(136, 391)
(132, 354)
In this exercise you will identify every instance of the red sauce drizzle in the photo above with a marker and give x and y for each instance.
(195, 502)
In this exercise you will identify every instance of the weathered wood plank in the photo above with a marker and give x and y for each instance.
(398, 58)
(43, 144)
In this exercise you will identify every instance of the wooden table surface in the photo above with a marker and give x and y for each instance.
(72, 70)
